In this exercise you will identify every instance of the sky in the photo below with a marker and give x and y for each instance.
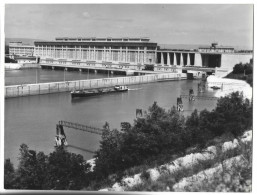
(228, 24)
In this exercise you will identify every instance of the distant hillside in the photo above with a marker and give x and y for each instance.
(23, 40)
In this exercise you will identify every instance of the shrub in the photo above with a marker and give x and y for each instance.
(238, 68)
(145, 175)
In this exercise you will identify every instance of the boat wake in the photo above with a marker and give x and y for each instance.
(135, 89)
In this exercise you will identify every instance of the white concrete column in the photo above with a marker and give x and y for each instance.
(104, 54)
(94, 54)
(181, 59)
(126, 56)
(145, 56)
(198, 59)
(111, 54)
(120, 55)
(168, 58)
(175, 59)
(89, 53)
(188, 59)
(82, 53)
(137, 56)
(162, 60)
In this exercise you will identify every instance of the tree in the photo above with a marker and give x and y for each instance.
(60, 170)
(9, 60)
(9, 175)
(65, 171)
(31, 170)
(232, 114)
(248, 68)
(238, 68)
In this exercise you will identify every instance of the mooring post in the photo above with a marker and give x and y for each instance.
(191, 95)
(179, 104)
(139, 113)
(201, 87)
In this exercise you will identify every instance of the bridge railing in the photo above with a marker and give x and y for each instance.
(81, 127)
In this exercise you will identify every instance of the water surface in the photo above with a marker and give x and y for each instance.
(32, 120)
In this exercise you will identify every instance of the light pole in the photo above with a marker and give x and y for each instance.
(87, 73)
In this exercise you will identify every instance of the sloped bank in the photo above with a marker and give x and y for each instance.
(190, 162)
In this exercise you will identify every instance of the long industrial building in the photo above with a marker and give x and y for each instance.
(134, 53)
(117, 50)
(17, 48)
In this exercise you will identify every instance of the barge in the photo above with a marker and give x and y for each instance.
(94, 92)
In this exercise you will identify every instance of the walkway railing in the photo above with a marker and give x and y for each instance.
(81, 127)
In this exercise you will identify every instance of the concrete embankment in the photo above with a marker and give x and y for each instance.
(55, 87)
(17, 66)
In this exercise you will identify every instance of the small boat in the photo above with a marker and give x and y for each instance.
(215, 87)
(87, 93)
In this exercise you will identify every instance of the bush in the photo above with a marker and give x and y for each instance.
(145, 175)
(9, 60)
(238, 68)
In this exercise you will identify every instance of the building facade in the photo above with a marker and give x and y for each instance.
(211, 57)
(17, 48)
(135, 51)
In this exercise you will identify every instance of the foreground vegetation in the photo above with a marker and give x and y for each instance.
(156, 138)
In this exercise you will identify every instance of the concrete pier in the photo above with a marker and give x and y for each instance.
(56, 87)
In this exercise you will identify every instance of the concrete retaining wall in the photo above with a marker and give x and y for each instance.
(55, 87)
(228, 61)
(17, 66)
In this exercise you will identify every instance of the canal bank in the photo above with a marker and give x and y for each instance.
(57, 87)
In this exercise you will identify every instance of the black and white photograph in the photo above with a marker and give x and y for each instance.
(127, 97)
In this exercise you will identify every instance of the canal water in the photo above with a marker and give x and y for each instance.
(29, 76)
(32, 120)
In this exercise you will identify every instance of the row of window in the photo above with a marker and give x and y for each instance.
(95, 47)
(131, 57)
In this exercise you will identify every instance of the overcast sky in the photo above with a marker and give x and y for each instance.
(164, 24)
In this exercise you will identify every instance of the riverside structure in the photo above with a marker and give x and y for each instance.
(135, 52)
(118, 50)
